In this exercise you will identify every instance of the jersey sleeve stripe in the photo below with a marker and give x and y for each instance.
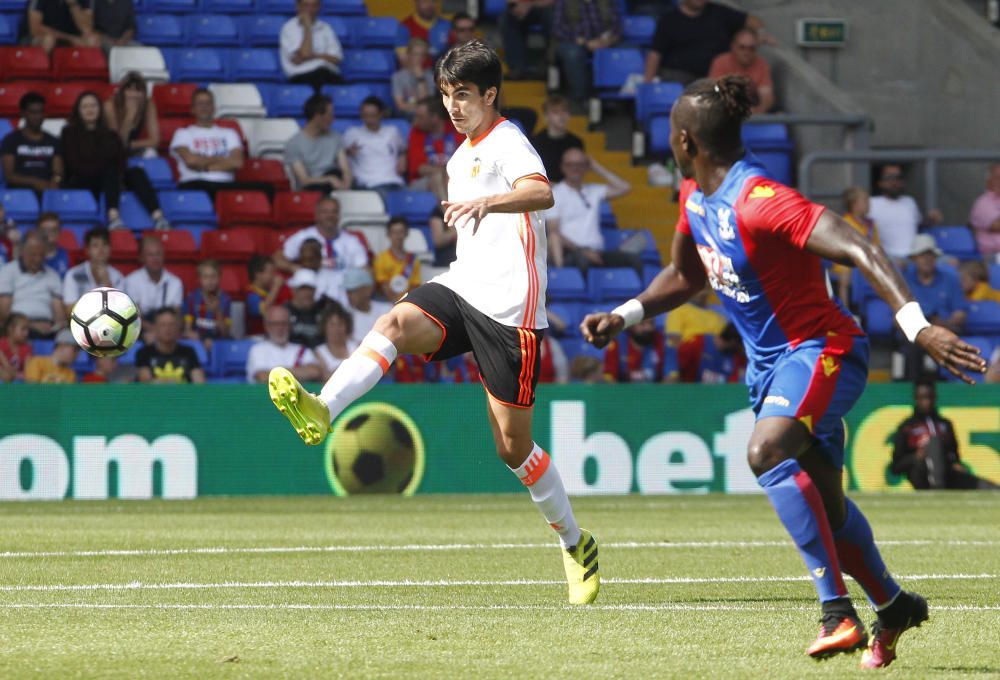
(535, 176)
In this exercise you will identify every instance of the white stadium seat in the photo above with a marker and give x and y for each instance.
(416, 243)
(146, 60)
(233, 100)
(267, 137)
(375, 236)
(361, 207)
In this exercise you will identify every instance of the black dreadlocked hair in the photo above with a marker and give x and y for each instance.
(722, 106)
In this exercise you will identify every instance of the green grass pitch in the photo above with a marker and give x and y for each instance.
(694, 587)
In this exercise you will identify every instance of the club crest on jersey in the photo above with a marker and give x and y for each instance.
(476, 164)
(726, 230)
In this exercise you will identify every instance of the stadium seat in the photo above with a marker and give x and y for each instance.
(53, 126)
(237, 99)
(612, 67)
(361, 207)
(124, 246)
(161, 30)
(638, 30)
(342, 125)
(197, 64)
(243, 208)
(8, 29)
(613, 283)
(178, 245)
(174, 6)
(650, 272)
(268, 137)
(230, 245)
(264, 170)
(187, 207)
(374, 32)
(659, 135)
(133, 213)
(861, 290)
(79, 63)
(368, 65)
(285, 8)
(229, 357)
(187, 272)
(173, 99)
(84, 363)
(11, 93)
(24, 63)
(570, 313)
(401, 124)
(418, 244)
(72, 205)
(157, 170)
(295, 208)
(983, 318)
(652, 99)
(345, 29)
(566, 284)
(995, 276)
(770, 143)
(69, 242)
(878, 318)
(574, 347)
(263, 30)
(264, 239)
(347, 98)
(493, 8)
(62, 96)
(215, 30)
(20, 205)
(168, 126)
(607, 216)
(197, 231)
(228, 6)
(415, 206)
(438, 36)
(956, 241)
(235, 280)
(146, 60)
(985, 346)
(255, 64)
(352, 8)
(288, 101)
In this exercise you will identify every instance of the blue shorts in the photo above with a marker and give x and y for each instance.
(816, 383)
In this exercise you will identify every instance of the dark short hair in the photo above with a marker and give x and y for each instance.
(473, 62)
(554, 99)
(372, 100)
(101, 233)
(434, 106)
(396, 219)
(257, 264)
(459, 16)
(201, 90)
(157, 313)
(30, 98)
(334, 308)
(11, 320)
(311, 242)
(48, 215)
(925, 380)
(316, 106)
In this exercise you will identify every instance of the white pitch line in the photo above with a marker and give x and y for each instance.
(431, 607)
(439, 547)
(440, 583)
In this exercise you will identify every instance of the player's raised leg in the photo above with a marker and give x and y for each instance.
(511, 427)
(403, 330)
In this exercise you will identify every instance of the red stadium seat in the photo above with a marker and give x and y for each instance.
(264, 170)
(265, 239)
(233, 125)
(25, 63)
(62, 96)
(178, 245)
(173, 100)
(69, 243)
(233, 245)
(282, 236)
(126, 268)
(295, 208)
(187, 273)
(11, 93)
(235, 280)
(124, 247)
(79, 63)
(243, 207)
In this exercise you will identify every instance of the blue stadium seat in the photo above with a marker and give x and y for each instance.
(612, 67)
(574, 347)
(878, 318)
(956, 241)
(84, 363)
(352, 8)
(438, 37)
(415, 206)
(861, 290)
(653, 99)
(638, 30)
(650, 272)
(134, 213)
(42, 348)
(608, 219)
(128, 359)
(196, 64)
(72, 205)
(567, 284)
(770, 143)
(255, 65)
(659, 135)
(347, 98)
(571, 313)
(983, 318)
(377, 32)
(400, 124)
(613, 239)
(229, 357)
(228, 6)
(161, 30)
(20, 205)
(215, 30)
(342, 124)
(493, 8)
(285, 8)
(172, 6)
(995, 276)
(200, 352)
(5, 128)
(287, 101)
(985, 346)
(8, 29)
(262, 30)
(157, 170)
(759, 133)
(345, 30)
(187, 207)
(613, 283)
(368, 65)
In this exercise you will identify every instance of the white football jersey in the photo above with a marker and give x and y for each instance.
(499, 270)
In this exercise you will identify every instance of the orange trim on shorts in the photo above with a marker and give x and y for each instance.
(444, 331)
(473, 142)
(501, 401)
(376, 357)
(535, 176)
(536, 466)
(522, 388)
(531, 300)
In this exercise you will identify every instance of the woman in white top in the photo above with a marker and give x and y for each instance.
(337, 326)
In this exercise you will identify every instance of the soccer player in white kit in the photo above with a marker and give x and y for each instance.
(491, 301)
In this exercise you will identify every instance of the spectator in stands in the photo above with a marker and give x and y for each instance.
(151, 286)
(463, 29)
(207, 154)
(56, 257)
(305, 308)
(396, 271)
(713, 358)
(94, 272)
(985, 216)
(554, 366)
(54, 23)
(642, 355)
(114, 23)
(425, 18)
(938, 292)
(580, 27)
(445, 239)
(574, 222)
(552, 142)
(29, 287)
(410, 369)
(207, 309)
(337, 345)
(267, 288)
(377, 152)
(514, 23)
(309, 49)
(32, 158)
(277, 350)
(857, 205)
(165, 360)
(431, 144)
(694, 318)
(15, 350)
(132, 115)
(586, 369)
(110, 370)
(95, 160)
(414, 81)
(742, 59)
(689, 36)
(993, 372)
(895, 214)
(315, 155)
(975, 282)
(57, 368)
(360, 286)
(10, 237)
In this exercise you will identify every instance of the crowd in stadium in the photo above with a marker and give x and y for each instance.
(281, 243)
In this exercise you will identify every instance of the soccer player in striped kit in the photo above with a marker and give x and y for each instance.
(760, 244)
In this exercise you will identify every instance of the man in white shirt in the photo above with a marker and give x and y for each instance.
(277, 350)
(341, 251)
(574, 222)
(309, 49)
(28, 286)
(377, 152)
(207, 154)
(93, 273)
(151, 286)
(896, 215)
(360, 286)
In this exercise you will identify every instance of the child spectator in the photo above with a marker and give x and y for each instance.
(337, 346)
(304, 309)
(94, 272)
(555, 139)
(267, 287)
(414, 80)
(641, 355)
(586, 369)
(132, 115)
(57, 368)
(975, 282)
(410, 369)
(15, 350)
(56, 257)
(206, 310)
(109, 370)
(32, 158)
(360, 285)
(396, 271)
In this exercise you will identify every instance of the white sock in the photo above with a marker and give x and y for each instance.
(540, 475)
(359, 373)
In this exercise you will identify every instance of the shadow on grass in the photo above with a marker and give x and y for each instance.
(976, 670)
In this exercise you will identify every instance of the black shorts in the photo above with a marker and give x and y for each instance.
(509, 357)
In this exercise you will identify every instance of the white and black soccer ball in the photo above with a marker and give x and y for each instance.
(105, 322)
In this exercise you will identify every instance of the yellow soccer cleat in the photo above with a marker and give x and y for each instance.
(581, 569)
(305, 411)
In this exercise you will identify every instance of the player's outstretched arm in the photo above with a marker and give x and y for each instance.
(528, 195)
(835, 240)
(671, 288)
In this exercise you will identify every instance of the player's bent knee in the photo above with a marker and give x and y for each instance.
(764, 455)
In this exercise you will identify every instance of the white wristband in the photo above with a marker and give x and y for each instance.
(911, 320)
(632, 311)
